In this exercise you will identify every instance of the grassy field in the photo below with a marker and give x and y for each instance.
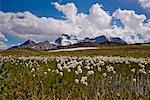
(109, 73)
(125, 51)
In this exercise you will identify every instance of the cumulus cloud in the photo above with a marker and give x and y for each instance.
(145, 4)
(69, 10)
(97, 22)
(134, 25)
(3, 41)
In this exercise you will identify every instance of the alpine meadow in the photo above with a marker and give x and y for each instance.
(74, 49)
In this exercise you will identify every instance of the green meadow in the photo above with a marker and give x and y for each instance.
(108, 73)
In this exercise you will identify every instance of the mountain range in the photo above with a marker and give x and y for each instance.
(70, 41)
(45, 45)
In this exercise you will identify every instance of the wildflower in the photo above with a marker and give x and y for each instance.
(69, 70)
(87, 67)
(99, 69)
(33, 75)
(76, 81)
(104, 74)
(32, 70)
(149, 71)
(98, 93)
(114, 72)
(118, 95)
(133, 70)
(61, 73)
(109, 69)
(84, 78)
(38, 69)
(79, 70)
(91, 67)
(142, 66)
(85, 83)
(57, 71)
(142, 71)
(91, 72)
(76, 72)
(53, 70)
(49, 69)
(134, 80)
(60, 68)
(45, 72)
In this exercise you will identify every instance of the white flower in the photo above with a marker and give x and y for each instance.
(84, 78)
(49, 69)
(99, 69)
(142, 71)
(53, 70)
(38, 69)
(33, 69)
(69, 70)
(142, 66)
(109, 69)
(91, 72)
(91, 67)
(76, 81)
(33, 75)
(76, 72)
(85, 83)
(61, 73)
(60, 68)
(57, 71)
(45, 72)
(134, 80)
(114, 72)
(79, 70)
(133, 70)
(98, 93)
(104, 74)
(87, 67)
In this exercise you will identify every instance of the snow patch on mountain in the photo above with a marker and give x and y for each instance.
(65, 40)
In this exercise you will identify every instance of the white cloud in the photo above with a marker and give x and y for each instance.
(97, 22)
(145, 4)
(134, 25)
(3, 41)
(69, 10)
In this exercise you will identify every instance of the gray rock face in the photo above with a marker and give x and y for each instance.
(45, 45)
(102, 38)
(27, 44)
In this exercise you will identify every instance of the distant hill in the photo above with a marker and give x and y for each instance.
(91, 44)
(66, 40)
(45, 45)
(71, 41)
(103, 38)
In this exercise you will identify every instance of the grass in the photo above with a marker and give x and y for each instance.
(19, 82)
(125, 51)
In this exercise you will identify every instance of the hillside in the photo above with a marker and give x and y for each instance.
(91, 44)
(125, 50)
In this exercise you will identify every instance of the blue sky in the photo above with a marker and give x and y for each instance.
(44, 8)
